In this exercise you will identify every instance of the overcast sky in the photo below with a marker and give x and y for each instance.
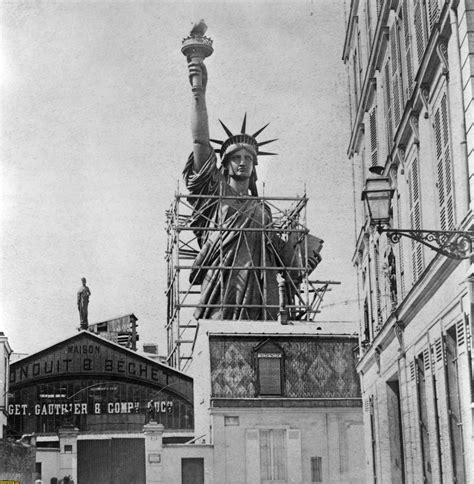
(95, 129)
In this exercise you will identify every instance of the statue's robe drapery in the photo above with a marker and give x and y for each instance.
(239, 286)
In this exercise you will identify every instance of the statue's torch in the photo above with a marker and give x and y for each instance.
(197, 47)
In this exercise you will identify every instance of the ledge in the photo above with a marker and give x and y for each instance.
(286, 402)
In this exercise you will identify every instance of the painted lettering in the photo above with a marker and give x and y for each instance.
(109, 365)
(144, 371)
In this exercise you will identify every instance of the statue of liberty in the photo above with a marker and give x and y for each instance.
(237, 263)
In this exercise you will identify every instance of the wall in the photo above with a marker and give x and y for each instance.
(49, 459)
(333, 434)
(17, 461)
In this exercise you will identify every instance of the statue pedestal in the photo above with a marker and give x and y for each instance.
(154, 452)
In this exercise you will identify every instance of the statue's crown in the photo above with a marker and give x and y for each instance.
(244, 138)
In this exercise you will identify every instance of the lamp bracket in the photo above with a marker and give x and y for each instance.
(454, 244)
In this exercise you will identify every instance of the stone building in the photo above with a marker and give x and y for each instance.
(280, 403)
(410, 64)
(5, 352)
(87, 399)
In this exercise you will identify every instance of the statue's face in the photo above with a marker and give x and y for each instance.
(240, 164)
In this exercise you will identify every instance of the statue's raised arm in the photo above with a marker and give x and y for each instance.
(199, 119)
(196, 47)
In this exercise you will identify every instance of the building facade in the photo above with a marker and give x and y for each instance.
(279, 403)
(5, 352)
(410, 65)
(87, 400)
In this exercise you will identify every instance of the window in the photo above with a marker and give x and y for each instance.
(231, 421)
(269, 363)
(273, 466)
(68, 449)
(395, 434)
(316, 469)
(422, 364)
(453, 341)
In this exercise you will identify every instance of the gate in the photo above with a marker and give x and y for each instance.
(111, 461)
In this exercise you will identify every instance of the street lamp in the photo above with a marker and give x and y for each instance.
(378, 194)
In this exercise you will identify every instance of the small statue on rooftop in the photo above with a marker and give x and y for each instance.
(83, 295)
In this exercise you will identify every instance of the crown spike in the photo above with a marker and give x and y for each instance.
(266, 153)
(218, 141)
(226, 129)
(266, 142)
(259, 131)
(244, 123)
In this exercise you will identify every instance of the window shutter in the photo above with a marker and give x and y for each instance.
(427, 359)
(401, 255)
(420, 29)
(378, 305)
(444, 166)
(438, 353)
(408, 51)
(433, 13)
(388, 107)
(462, 335)
(294, 450)
(356, 78)
(251, 453)
(415, 217)
(368, 22)
(397, 97)
(373, 136)
(378, 5)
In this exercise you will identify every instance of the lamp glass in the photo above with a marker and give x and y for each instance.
(378, 196)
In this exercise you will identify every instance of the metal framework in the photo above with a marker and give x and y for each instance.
(288, 220)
